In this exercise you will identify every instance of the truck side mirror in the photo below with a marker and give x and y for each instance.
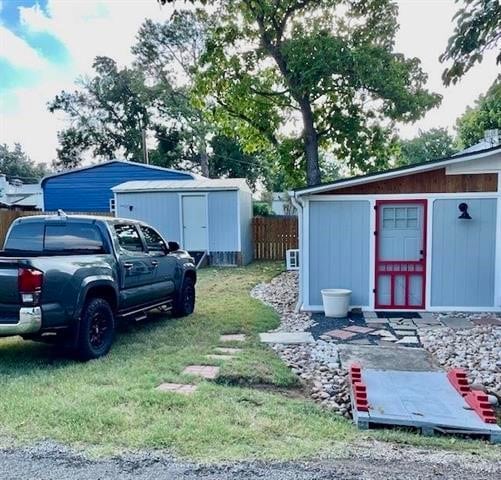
(173, 246)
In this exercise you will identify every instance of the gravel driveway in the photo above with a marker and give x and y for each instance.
(49, 461)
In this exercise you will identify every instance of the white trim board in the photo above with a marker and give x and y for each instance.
(366, 308)
(404, 196)
(181, 229)
(497, 278)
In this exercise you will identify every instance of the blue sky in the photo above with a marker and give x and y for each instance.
(46, 44)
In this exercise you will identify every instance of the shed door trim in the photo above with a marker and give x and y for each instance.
(399, 270)
(181, 219)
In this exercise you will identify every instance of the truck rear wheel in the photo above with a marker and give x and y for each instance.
(97, 329)
(184, 304)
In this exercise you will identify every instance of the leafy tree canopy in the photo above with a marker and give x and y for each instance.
(303, 77)
(106, 115)
(429, 145)
(15, 163)
(478, 29)
(485, 115)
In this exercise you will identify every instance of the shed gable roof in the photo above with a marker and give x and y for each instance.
(397, 172)
(110, 162)
(200, 184)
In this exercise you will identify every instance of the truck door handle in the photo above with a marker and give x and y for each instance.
(154, 263)
(128, 266)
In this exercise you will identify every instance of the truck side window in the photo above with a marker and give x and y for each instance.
(154, 241)
(128, 238)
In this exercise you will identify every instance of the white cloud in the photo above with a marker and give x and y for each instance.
(17, 52)
(94, 27)
(425, 28)
(87, 29)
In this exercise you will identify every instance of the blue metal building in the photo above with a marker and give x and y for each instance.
(88, 189)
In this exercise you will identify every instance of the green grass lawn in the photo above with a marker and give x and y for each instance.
(111, 404)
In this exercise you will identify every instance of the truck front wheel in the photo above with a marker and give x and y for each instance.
(184, 304)
(97, 329)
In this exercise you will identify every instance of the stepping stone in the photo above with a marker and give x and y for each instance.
(370, 315)
(233, 337)
(409, 340)
(204, 371)
(220, 357)
(383, 343)
(381, 333)
(183, 388)
(340, 334)
(401, 333)
(227, 350)
(428, 321)
(287, 337)
(457, 322)
(376, 321)
(360, 341)
(357, 329)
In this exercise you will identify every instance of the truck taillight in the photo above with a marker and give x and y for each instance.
(30, 284)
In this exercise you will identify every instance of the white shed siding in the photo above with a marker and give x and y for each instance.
(223, 221)
(245, 201)
(158, 209)
(339, 249)
(463, 254)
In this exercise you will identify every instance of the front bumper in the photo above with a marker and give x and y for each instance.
(30, 320)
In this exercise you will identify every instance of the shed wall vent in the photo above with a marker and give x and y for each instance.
(292, 259)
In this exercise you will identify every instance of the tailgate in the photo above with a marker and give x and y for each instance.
(9, 292)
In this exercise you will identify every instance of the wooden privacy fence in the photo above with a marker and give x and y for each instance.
(272, 236)
(8, 216)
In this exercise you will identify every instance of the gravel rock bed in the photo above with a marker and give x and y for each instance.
(317, 364)
(478, 350)
(282, 295)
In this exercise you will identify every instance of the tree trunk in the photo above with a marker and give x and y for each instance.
(204, 161)
(310, 139)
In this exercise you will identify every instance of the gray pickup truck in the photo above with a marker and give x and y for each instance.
(72, 279)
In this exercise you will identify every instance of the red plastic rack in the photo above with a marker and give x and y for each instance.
(359, 388)
(476, 399)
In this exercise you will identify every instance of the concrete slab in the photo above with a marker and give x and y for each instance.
(287, 337)
(457, 322)
(370, 315)
(386, 358)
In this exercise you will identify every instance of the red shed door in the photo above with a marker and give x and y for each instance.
(400, 254)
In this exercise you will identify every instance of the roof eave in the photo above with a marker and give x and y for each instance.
(421, 167)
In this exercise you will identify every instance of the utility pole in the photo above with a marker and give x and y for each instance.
(145, 149)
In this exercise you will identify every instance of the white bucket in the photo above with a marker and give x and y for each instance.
(336, 302)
